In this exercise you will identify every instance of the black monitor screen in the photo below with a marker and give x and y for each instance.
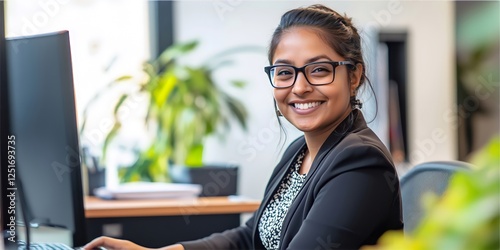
(42, 119)
(4, 203)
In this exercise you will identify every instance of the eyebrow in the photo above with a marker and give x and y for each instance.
(310, 60)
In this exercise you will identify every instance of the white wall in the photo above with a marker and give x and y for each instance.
(224, 24)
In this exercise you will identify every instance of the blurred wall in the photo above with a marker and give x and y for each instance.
(431, 74)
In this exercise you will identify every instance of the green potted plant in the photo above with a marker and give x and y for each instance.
(184, 106)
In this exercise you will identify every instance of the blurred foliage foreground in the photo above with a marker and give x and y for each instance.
(467, 216)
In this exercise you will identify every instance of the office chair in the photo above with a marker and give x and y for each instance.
(423, 178)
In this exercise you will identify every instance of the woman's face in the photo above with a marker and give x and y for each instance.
(316, 109)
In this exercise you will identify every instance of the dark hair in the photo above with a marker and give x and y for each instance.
(336, 30)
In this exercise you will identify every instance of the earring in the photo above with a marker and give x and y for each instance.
(356, 103)
(278, 112)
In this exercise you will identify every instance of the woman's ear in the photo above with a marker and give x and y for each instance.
(356, 77)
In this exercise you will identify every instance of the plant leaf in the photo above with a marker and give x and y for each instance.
(109, 137)
(123, 78)
(237, 109)
(238, 83)
(165, 86)
(176, 50)
(119, 104)
(195, 156)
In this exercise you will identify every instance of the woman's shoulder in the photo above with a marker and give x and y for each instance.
(364, 138)
(358, 150)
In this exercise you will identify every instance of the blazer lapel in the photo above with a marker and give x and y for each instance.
(283, 169)
(352, 122)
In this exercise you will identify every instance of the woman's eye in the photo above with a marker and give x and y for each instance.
(320, 69)
(284, 72)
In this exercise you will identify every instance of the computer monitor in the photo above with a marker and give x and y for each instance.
(4, 203)
(42, 118)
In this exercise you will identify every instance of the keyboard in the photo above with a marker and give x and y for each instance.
(21, 245)
(49, 246)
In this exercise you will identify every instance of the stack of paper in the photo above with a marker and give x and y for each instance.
(149, 190)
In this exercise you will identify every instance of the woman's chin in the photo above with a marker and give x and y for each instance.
(304, 127)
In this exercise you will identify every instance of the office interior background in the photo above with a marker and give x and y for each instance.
(420, 57)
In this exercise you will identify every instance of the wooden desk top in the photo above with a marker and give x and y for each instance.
(99, 208)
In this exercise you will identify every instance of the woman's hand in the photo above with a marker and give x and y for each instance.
(114, 244)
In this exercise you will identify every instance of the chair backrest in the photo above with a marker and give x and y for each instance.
(423, 178)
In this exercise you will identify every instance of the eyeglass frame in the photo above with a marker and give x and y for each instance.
(335, 64)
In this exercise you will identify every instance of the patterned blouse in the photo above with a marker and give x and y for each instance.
(273, 215)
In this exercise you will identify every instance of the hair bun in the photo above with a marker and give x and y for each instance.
(344, 19)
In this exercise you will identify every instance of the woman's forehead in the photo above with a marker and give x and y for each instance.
(301, 44)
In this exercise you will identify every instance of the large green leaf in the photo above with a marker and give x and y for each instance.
(195, 156)
(164, 88)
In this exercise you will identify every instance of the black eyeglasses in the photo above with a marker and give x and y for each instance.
(316, 73)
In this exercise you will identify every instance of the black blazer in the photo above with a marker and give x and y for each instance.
(350, 197)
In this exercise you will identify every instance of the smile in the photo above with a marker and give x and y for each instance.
(304, 106)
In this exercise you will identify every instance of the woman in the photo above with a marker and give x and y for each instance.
(336, 186)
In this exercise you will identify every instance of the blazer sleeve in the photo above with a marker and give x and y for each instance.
(237, 238)
(355, 201)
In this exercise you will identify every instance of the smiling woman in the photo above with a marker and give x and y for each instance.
(335, 186)
(314, 109)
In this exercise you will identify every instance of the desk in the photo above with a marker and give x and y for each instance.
(160, 222)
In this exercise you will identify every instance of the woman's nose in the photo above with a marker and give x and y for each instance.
(301, 85)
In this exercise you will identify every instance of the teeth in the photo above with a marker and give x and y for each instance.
(306, 105)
